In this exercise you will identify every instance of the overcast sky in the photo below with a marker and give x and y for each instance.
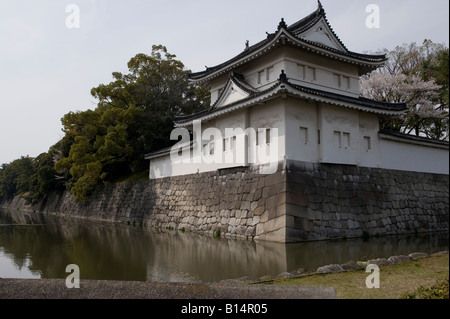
(48, 69)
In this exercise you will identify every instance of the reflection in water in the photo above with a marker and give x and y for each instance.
(107, 251)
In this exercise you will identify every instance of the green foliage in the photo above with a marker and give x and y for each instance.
(440, 290)
(29, 177)
(100, 145)
(15, 177)
(134, 116)
(43, 180)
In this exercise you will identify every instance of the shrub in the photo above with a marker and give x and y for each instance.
(437, 291)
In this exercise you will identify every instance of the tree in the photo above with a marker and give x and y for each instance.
(158, 85)
(398, 88)
(100, 146)
(43, 181)
(418, 76)
(15, 177)
(134, 116)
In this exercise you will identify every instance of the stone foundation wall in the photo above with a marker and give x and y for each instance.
(333, 201)
(232, 203)
(302, 201)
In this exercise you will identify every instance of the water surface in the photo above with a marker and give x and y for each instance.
(41, 246)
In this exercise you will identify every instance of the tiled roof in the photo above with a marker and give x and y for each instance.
(283, 86)
(386, 106)
(412, 139)
(309, 21)
(239, 81)
(295, 30)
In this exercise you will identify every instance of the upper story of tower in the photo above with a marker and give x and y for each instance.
(308, 52)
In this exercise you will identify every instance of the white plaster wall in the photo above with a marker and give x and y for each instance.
(301, 68)
(264, 71)
(369, 143)
(302, 131)
(339, 135)
(305, 119)
(330, 75)
(411, 157)
(164, 167)
(269, 115)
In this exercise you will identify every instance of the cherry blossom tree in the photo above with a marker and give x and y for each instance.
(414, 75)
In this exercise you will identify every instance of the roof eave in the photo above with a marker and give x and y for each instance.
(284, 37)
(286, 89)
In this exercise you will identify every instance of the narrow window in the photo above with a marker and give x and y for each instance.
(259, 136)
(301, 71)
(268, 131)
(337, 139)
(261, 76)
(345, 82)
(311, 73)
(263, 136)
(346, 139)
(337, 80)
(270, 73)
(304, 135)
(367, 143)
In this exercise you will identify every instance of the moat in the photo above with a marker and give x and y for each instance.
(109, 251)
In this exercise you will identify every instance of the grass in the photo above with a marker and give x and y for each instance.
(408, 280)
(437, 291)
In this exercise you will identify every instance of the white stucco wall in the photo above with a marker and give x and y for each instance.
(306, 131)
(412, 157)
(368, 143)
(302, 131)
(301, 67)
(347, 136)
(339, 135)
(251, 124)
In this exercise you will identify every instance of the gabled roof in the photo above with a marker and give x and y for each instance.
(299, 34)
(284, 88)
(235, 89)
(307, 23)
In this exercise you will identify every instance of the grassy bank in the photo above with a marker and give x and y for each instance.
(413, 279)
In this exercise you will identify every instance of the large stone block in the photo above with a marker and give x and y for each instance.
(278, 235)
(299, 199)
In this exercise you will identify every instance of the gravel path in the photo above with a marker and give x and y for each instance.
(97, 289)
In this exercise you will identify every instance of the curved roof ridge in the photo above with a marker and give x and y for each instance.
(307, 22)
(368, 105)
(187, 118)
(270, 41)
(359, 100)
(239, 81)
